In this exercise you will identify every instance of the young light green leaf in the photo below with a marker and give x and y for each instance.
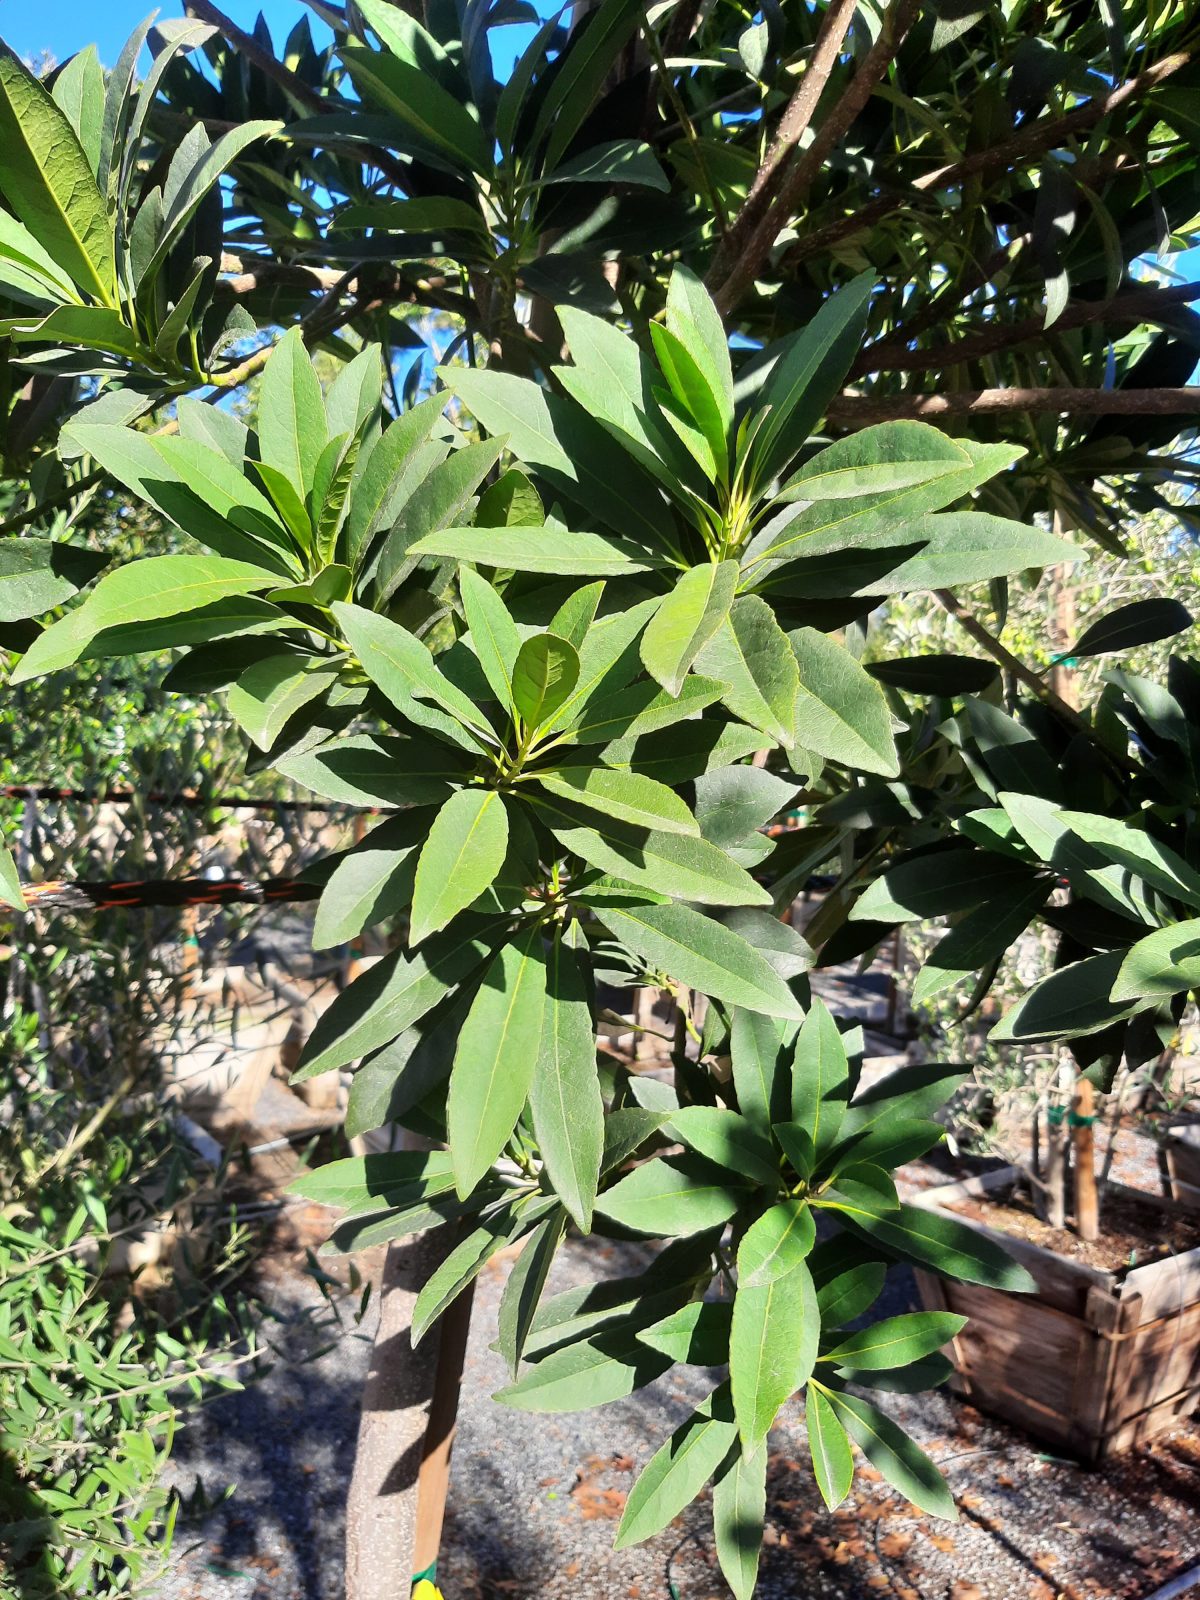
(692, 387)
(686, 620)
(497, 1053)
(675, 1474)
(461, 857)
(696, 324)
(493, 633)
(627, 796)
(545, 672)
(696, 951)
(568, 1113)
(829, 1447)
(671, 1198)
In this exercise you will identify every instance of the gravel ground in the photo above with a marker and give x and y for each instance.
(534, 1500)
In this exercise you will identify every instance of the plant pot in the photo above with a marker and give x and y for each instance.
(1095, 1362)
(1182, 1150)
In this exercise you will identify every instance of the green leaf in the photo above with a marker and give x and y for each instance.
(386, 999)
(1129, 846)
(579, 1376)
(429, 214)
(909, 1092)
(640, 709)
(671, 1198)
(38, 574)
(568, 1113)
(574, 618)
(182, 199)
(697, 1334)
(841, 712)
(461, 857)
(545, 672)
(519, 1302)
(618, 161)
(79, 90)
(896, 1341)
(545, 549)
(729, 1140)
(695, 322)
(48, 181)
(272, 690)
(944, 1245)
(829, 1447)
(468, 1258)
(1166, 962)
(936, 883)
(493, 633)
(983, 935)
(696, 951)
(579, 76)
(845, 1297)
(891, 455)
(292, 429)
(776, 1323)
(627, 796)
(496, 1057)
(820, 1077)
(157, 586)
(402, 451)
(751, 655)
(360, 770)
(404, 670)
(443, 498)
(733, 803)
(440, 121)
(676, 1473)
(686, 620)
(739, 1507)
(677, 863)
(805, 376)
(10, 882)
(371, 882)
(759, 1074)
(693, 389)
(1074, 1001)
(361, 1183)
(1140, 622)
(21, 249)
(890, 1451)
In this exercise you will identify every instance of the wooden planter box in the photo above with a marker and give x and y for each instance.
(1183, 1162)
(1091, 1364)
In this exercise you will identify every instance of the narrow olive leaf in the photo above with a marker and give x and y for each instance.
(157, 586)
(468, 1258)
(751, 656)
(48, 181)
(568, 1113)
(890, 1451)
(10, 882)
(496, 1057)
(544, 674)
(841, 712)
(820, 1077)
(896, 1341)
(1165, 962)
(945, 1245)
(523, 1291)
(850, 1293)
(729, 1140)
(739, 1508)
(272, 690)
(544, 549)
(591, 1373)
(692, 949)
(461, 857)
(672, 1198)
(697, 1334)
(776, 1324)
(386, 999)
(371, 882)
(1139, 622)
(829, 1447)
(627, 796)
(404, 670)
(686, 620)
(676, 1473)
(493, 633)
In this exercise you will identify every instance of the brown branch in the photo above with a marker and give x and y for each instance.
(1032, 141)
(793, 125)
(857, 411)
(1001, 654)
(1133, 306)
(897, 20)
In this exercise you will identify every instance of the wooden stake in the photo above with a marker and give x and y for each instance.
(1087, 1206)
(433, 1481)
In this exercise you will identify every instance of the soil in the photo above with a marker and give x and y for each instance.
(1133, 1231)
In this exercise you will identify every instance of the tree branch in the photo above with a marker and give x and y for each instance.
(858, 411)
(897, 20)
(1032, 141)
(793, 125)
(1001, 654)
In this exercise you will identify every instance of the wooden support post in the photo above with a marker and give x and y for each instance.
(433, 1480)
(1087, 1208)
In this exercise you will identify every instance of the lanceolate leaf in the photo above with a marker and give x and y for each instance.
(627, 796)
(685, 620)
(674, 1476)
(939, 1242)
(841, 712)
(461, 857)
(544, 549)
(371, 882)
(519, 1302)
(592, 1373)
(496, 1057)
(493, 633)
(829, 1447)
(896, 1341)
(37, 574)
(776, 1324)
(1164, 963)
(739, 1505)
(820, 1078)
(890, 1451)
(568, 1114)
(672, 1198)
(291, 413)
(729, 1140)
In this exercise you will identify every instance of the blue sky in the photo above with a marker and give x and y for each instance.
(64, 26)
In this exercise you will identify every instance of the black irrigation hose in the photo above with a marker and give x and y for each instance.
(58, 895)
(160, 797)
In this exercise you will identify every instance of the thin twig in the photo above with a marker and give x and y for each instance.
(1011, 663)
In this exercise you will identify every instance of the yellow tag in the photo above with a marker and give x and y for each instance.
(426, 1591)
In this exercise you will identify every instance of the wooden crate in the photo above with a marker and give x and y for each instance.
(1091, 1364)
(1182, 1150)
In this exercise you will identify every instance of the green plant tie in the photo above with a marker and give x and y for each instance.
(1077, 1121)
(1055, 1115)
